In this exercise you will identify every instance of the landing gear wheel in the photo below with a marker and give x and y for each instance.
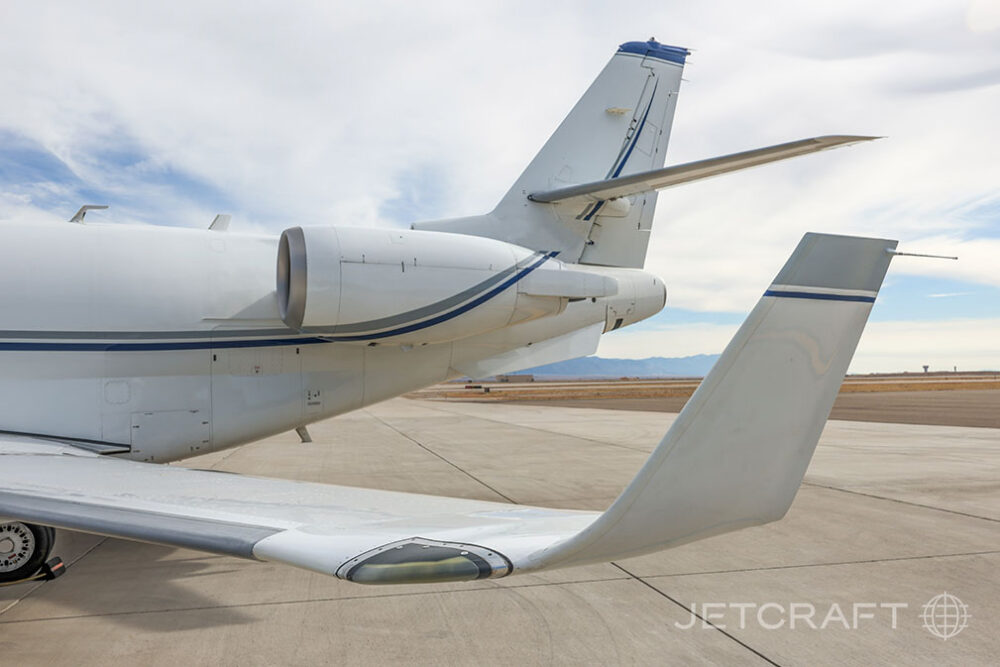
(23, 549)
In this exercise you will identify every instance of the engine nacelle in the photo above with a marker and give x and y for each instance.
(640, 295)
(357, 284)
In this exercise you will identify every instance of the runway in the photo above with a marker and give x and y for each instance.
(890, 514)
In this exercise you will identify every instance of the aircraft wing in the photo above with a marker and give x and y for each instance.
(734, 457)
(658, 179)
(314, 526)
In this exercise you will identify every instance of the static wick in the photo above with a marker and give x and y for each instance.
(896, 253)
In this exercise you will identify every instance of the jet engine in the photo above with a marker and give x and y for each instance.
(355, 284)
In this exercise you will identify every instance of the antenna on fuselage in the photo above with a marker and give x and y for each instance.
(221, 222)
(81, 214)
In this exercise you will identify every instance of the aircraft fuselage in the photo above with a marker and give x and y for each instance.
(173, 342)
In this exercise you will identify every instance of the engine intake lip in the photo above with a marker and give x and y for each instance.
(292, 277)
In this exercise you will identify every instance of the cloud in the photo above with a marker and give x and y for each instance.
(951, 82)
(977, 259)
(969, 344)
(983, 16)
(322, 112)
(385, 113)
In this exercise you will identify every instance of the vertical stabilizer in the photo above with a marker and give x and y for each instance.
(620, 126)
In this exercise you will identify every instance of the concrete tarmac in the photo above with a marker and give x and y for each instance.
(935, 408)
(889, 517)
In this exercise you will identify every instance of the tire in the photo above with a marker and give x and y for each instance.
(24, 547)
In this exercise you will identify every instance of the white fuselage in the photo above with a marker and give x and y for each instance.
(171, 342)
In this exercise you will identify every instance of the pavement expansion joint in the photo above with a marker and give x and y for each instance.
(698, 616)
(343, 598)
(867, 561)
(898, 500)
(542, 430)
(34, 587)
(452, 464)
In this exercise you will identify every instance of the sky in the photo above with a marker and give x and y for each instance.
(383, 114)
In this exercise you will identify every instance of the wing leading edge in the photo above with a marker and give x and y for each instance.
(734, 457)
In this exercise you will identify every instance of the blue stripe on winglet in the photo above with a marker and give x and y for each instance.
(820, 297)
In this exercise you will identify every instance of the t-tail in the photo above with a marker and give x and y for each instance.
(591, 192)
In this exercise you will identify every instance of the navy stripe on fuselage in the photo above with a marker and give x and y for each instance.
(146, 347)
(422, 312)
(147, 335)
(455, 313)
(269, 341)
(274, 332)
(819, 296)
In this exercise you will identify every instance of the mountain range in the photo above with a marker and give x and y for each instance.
(600, 367)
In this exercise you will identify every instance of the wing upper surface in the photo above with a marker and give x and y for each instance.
(316, 526)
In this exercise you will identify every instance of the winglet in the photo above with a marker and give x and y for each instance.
(737, 453)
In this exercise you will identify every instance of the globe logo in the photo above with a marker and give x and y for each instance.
(945, 616)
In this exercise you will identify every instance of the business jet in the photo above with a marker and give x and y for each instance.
(124, 348)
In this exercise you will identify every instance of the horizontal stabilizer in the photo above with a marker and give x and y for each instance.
(658, 179)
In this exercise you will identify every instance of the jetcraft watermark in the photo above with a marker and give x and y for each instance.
(791, 615)
(944, 615)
